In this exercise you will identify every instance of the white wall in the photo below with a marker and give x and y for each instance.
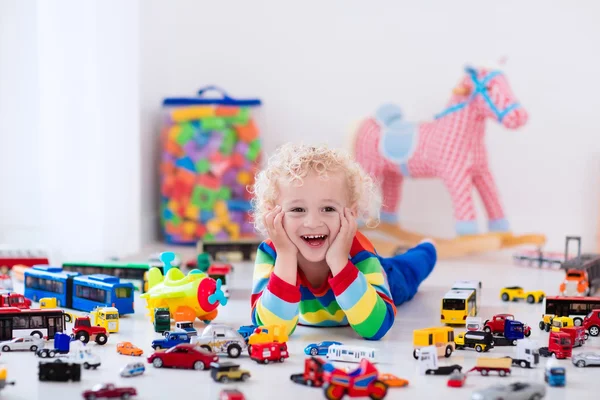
(320, 66)
(71, 176)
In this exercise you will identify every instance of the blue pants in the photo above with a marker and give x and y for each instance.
(406, 271)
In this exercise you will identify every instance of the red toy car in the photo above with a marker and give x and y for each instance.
(183, 356)
(496, 324)
(592, 322)
(362, 382)
(84, 331)
(109, 391)
(231, 394)
(457, 379)
(12, 299)
(265, 352)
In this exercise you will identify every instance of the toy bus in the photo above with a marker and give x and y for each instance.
(127, 272)
(351, 353)
(573, 307)
(79, 292)
(440, 337)
(457, 305)
(16, 322)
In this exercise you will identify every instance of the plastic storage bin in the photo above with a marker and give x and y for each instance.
(211, 151)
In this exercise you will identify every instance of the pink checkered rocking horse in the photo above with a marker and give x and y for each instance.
(451, 147)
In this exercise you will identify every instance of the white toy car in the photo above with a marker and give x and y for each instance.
(133, 369)
(82, 355)
(30, 343)
(513, 391)
(220, 338)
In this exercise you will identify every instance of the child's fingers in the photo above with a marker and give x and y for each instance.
(278, 221)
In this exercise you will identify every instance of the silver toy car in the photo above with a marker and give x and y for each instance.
(132, 369)
(220, 339)
(513, 391)
(30, 343)
(585, 359)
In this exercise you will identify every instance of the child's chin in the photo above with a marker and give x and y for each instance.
(314, 255)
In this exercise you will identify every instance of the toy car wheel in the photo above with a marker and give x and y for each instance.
(485, 372)
(90, 397)
(33, 348)
(541, 298)
(37, 334)
(199, 365)
(245, 377)
(547, 328)
(415, 354)
(577, 321)
(314, 351)
(5, 348)
(542, 325)
(594, 330)
(505, 297)
(68, 318)
(448, 352)
(478, 348)
(234, 351)
(281, 359)
(157, 362)
(514, 342)
(523, 364)
(530, 299)
(83, 336)
(309, 382)
(125, 396)
(487, 329)
(502, 373)
(536, 396)
(265, 361)
(51, 353)
(580, 363)
(223, 379)
(101, 338)
(86, 365)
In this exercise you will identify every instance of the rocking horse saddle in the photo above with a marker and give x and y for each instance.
(398, 137)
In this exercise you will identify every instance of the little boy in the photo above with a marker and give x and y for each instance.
(316, 268)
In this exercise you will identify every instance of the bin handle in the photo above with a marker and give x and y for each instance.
(214, 88)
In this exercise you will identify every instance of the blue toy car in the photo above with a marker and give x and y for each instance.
(171, 340)
(319, 349)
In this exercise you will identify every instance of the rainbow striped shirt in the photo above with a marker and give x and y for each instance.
(359, 295)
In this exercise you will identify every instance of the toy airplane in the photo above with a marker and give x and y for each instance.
(187, 297)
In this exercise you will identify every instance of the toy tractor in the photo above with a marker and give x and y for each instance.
(84, 331)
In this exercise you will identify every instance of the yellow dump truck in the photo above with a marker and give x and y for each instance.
(486, 364)
(440, 337)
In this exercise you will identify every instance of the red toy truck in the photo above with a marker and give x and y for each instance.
(12, 299)
(559, 344)
(577, 334)
(84, 331)
(496, 324)
(591, 322)
(265, 352)
(313, 373)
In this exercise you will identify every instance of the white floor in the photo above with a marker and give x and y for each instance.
(272, 381)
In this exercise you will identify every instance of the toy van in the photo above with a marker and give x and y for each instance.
(442, 338)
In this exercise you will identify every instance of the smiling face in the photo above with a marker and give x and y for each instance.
(312, 213)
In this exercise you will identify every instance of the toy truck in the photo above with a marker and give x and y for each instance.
(267, 352)
(566, 324)
(267, 334)
(555, 375)
(62, 343)
(187, 327)
(106, 317)
(84, 331)
(559, 344)
(313, 373)
(513, 332)
(59, 371)
(162, 319)
(442, 338)
(428, 363)
(527, 356)
(496, 324)
(486, 364)
(582, 276)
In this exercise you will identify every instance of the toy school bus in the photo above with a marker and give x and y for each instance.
(457, 305)
(351, 353)
(442, 338)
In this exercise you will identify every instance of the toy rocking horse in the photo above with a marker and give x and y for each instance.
(452, 148)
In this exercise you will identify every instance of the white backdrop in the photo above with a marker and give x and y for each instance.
(318, 67)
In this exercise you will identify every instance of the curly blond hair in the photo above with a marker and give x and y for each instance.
(293, 162)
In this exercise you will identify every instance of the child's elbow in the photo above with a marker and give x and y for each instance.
(385, 326)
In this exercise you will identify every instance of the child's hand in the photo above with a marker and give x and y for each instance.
(273, 221)
(337, 255)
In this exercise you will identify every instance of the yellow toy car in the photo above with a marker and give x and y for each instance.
(516, 292)
(228, 371)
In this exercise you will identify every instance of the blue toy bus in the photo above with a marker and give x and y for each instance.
(99, 290)
(80, 292)
(47, 281)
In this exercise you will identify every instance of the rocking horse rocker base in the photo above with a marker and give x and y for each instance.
(401, 239)
(451, 148)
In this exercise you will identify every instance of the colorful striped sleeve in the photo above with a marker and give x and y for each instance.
(273, 301)
(362, 291)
